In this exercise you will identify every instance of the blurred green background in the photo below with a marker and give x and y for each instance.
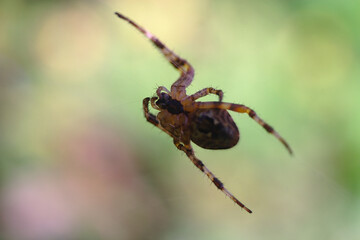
(79, 161)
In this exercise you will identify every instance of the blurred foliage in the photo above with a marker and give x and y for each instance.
(79, 161)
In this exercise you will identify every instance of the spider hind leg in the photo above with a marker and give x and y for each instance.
(200, 165)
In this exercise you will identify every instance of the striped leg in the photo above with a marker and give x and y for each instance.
(190, 153)
(243, 109)
(151, 118)
(206, 91)
(186, 70)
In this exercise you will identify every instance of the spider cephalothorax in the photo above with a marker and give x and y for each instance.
(207, 124)
(166, 102)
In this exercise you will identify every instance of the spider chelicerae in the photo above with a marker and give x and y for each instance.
(207, 124)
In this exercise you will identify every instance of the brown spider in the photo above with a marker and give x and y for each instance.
(207, 124)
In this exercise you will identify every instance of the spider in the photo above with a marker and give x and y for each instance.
(207, 124)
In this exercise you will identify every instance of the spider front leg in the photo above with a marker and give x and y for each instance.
(242, 109)
(184, 67)
(200, 165)
(151, 118)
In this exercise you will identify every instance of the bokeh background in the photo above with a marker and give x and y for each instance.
(79, 161)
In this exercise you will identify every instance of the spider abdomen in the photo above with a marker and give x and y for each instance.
(213, 129)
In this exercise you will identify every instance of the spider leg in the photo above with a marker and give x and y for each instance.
(204, 92)
(190, 153)
(200, 165)
(151, 118)
(160, 89)
(186, 70)
(153, 104)
(242, 109)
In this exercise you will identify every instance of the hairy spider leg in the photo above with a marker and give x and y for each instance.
(190, 153)
(204, 92)
(151, 118)
(200, 165)
(160, 89)
(187, 71)
(241, 109)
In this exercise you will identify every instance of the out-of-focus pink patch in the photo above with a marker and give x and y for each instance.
(35, 207)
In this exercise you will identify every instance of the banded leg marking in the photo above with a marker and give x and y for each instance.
(244, 109)
(206, 91)
(186, 70)
(151, 118)
(200, 165)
